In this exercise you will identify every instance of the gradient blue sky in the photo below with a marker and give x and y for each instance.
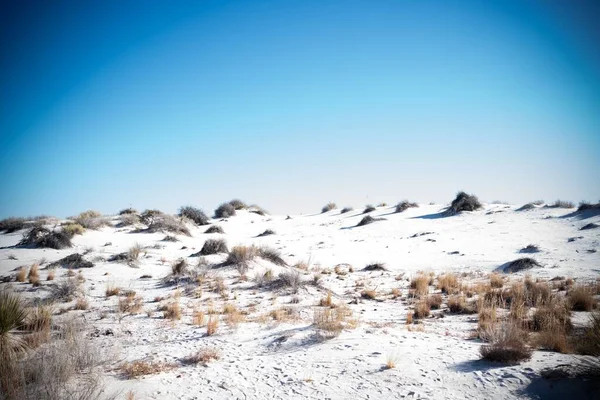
(290, 104)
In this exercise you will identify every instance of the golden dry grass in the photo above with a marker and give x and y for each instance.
(141, 368)
(448, 283)
(51, 274)
(409, 318)
(22, 274)
(212, 325)
(172, 310)
(581, 298)
(434, 301)
(203, 356)
(421, 310)
(112, 290)
(81, 304)
(420, 284)
(326, 301)
(370, 294)
(198, 317)
(496, 281)
(131, 304)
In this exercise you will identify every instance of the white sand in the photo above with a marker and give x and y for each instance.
(283, 360)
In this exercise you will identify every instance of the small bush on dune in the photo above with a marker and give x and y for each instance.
(225, 210)
(22, 274)
(65, 290)
(507, 344)
(41, 237)
(12, 224)
(405, 205)
(148, 216)
(458, 304)
(378, 266)
(528, 206)
(346, 209)
(12, 317)
(463, 202)
(203, 356)
(588, 343)
(267, 232)
(214, 246)
(196, 215)
(368, 208)
(237, 204)
(589, 226)
(129, 220)
(330, 322)
(214, 229)
(179, 267)
(368, 220)
(422, 309)
(530, 248)
(241, 254)
(420, 284)
(128, 210)
(291, 279)
(585, 206)
(496, 281)
(434, 301)
(141, 368)
(257, 210)
(328, 207)
(448, 283)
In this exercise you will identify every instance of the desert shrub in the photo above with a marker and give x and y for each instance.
(330, 322)
(405, 205)
(463, 202)
(81, 304)
(448, 283)
(112, 290)
(214, 246)
(12, 317)
(291, 279)
(561, 204)
(194, 214)
(272, 255)
(212, 325)
(267, 232)
(589, 226)
(128, 210)
(328, 207)
(530, 248)
(225, 210)
(458, 304)
(553, 317)
(133, 254)
(72, 229)
(583, 206)
(264, 278)
(241, 254)
(507, 344)
(170, 238)
(368, 208)
(72, 261)
(581, 298)
(12, 224)
(422, 309)
(203, 356)
(420, 284)
(346, 209)
(535, 293)
(167, 223)
(214, 229)
(521, 264)
(172, 311)
(90, 220)
(130, 304)
(257, 210)
(370, 294)
(41, 237)
(179, 267)
(238, 204)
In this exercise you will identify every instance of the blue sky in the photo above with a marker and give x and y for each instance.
(291, 104)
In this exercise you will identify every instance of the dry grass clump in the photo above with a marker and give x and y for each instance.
(225, 210)
(166, 223)
(239, 204)
(422, 309)
(90, 220)
(448, 283)
(12, 317)
(198, 317)
(72, 229)
(376, 266)
(581, 298)
(368, 220)
(535, 293)
(37, 326)
(12, 224)
(129, 220)
(65, 290)
(553, 324)
(133, 254)
(203, 356)
(264, 278)
(463, 202)
(405, 205)
(370, 294)
(409, 318)
(214, 229)
(496, 281)
(81, 304)
(420, 284)
(346, 209)
(391, 361)
(41, 237)
(267, 232)
(328, 207)
(214, 246)
(486, 321)
(326, 301)
(291, 279)
(128, 210)
(195, 215)
(530, 248)
(507, 344)
(212, 325)
(368, 208)
(588, 343)
(141, 368)
(561, 204)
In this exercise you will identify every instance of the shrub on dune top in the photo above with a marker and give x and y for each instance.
(41, 237)
(12, 224)
(128, 211)
(586, 206)
(368, 208)
(561, 204)
(214, 229)
(346, 209)
(167, 223)
(225, 210)
(238, 204)
(463, 202)
(196, 215)
(90, 220)
(214, 246)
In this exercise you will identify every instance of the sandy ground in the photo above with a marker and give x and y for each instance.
(265, 358)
